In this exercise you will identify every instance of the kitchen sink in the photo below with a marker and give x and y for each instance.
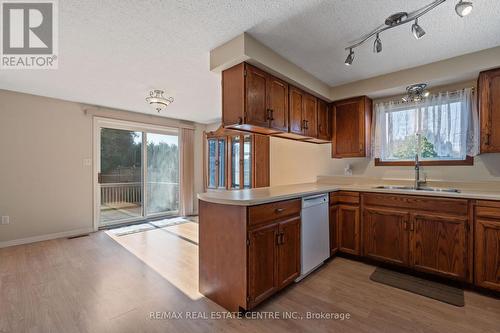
(423, 188)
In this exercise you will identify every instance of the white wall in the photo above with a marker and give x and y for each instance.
(298, 162)
(44, 186)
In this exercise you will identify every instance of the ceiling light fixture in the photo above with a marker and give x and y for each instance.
(157, 100)
(416, 93)
(350, 58)
(462, 8)
(417, 30)
(377, 45)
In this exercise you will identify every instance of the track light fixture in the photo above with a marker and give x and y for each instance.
(350, 58)
(417, 30)
(377, 45)
(462, 8)
(416, 93)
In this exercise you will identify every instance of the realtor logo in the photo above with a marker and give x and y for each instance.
(29, 34)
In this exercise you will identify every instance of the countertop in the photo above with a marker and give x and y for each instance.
(251, 197)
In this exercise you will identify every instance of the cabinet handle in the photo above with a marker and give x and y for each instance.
(279, 210)
(240, 120)
(282, 238)
(412, 226)
(304, 124)
(278, 236)
(270, 114)
(487, 139)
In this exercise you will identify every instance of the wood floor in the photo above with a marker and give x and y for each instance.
(104, 283)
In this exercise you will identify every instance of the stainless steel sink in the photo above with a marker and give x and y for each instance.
(411, 188)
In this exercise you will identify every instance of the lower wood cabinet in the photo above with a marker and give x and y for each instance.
(438, 244)
(348, 221)
(487, 245)
(386, 235)
(288, 251)
(422, 233)
(334, 229)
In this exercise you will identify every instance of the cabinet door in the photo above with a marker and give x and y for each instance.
(278, 103)
(289, 251)
(385, 235)
(348, 229)
(351, 128)
(438, 244)
(323, 120)
(310, 116)
(487, 253)
(334, 230)
(256, 97)
(262, 263)
(489, 108)
(296, 110)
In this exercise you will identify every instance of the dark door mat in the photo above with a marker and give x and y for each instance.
(431, 289)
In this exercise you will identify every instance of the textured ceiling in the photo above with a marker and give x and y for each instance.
(112, 53)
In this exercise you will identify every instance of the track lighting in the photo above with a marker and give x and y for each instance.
(417, 30)
(463, 8)
(377, 45)
(350, 58)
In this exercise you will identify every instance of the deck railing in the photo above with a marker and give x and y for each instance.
(116, 193)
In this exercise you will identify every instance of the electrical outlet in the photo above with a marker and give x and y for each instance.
(87, 162)
(5, 220)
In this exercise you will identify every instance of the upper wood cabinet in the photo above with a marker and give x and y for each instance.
(303, 113)
(254, 98)
(351, 127)
(489, 110)
(324, 120)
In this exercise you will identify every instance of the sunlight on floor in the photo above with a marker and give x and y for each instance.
(171, 251)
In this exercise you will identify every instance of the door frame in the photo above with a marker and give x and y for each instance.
(103, 122)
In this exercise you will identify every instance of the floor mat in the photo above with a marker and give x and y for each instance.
(431, 289)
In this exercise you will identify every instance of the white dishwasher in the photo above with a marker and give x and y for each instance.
(315, 233)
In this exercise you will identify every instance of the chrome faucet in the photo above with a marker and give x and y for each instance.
(418, 182)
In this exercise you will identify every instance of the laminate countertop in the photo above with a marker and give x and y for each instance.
(257, 196)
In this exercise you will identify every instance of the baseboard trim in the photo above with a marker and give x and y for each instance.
(34, 239)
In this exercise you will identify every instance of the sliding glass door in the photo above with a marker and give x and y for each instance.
(138, 173)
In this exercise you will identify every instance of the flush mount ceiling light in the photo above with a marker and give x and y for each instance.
(462, 8)
(416, 93)
(157, 100)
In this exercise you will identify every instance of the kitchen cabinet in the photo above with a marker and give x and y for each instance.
(489, 110)
(323, 121)
(438, 244)
(386, 235)
(487, 245)
(288, 251)
(347, 219)
(254, 100)
(334, 229)
(426, 234)
(351, 127)
(236, 160)
(303, 113)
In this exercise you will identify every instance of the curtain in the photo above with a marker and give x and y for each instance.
(186, 166)
(442, 126)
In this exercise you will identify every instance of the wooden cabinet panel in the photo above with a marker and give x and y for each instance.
(289, 251)
(487, 253)
(296, 105)
(386, 235)
(277, 99)
(438, 244)
(351, 127)
(262, 263)
(310, 116)
(233, 95)
(273, 211)
(323, 120)
(334, 230)
(348, 221)
(256, 97)
(489, 110)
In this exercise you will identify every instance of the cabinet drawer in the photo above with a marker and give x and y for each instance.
(488, 212)
(344, 197)
(414, 202)
(273, 211)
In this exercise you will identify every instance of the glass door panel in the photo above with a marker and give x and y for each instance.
(222, 163)
(212, 163)
(247, 161)
(162, 175)
(120, 179)
(235, 162)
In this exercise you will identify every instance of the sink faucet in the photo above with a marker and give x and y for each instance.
(418, 182)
